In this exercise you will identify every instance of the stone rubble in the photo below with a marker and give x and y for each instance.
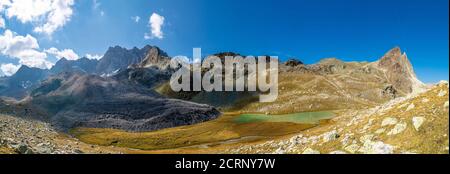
(34, 137)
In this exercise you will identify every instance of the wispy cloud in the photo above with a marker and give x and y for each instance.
(69, 54)
(95, 4)
(93, 56)
(136, 19)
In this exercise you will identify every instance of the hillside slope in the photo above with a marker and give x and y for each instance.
(330, 84)
(413, 124)
(75, 99)
(23, 136)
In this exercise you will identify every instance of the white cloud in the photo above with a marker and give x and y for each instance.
(2, 22)
(156, 22)
(46, 15)
(9, 69)
(69, 54)
(136, 19)
(24, 48)
(94, 56)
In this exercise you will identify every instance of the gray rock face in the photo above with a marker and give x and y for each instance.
(293, 62)
(118, 58)
(149, 77)
(390, 91)
(81, 65)
(145, 114)
(155, 58)
(399, 71)
(18, 85)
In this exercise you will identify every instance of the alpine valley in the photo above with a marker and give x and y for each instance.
(123, 103)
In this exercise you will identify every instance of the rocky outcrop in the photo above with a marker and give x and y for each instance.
(399, 72)
(293, 62)
(81, 65)
(155, 57)
(389, 128)
(22, 136)
(390, 91)
(149, 77)
(118, 58)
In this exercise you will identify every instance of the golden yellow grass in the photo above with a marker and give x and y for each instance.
(5, 150)
(212, 132)
(431, 138)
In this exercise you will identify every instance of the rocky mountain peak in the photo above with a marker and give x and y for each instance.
(399, 71)
(155, 57)
(395, 58)
(26, 70)
(81, 65)
(292, 62)
(117, 58)
(331, 61)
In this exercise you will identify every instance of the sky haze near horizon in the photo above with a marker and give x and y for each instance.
(350, 30)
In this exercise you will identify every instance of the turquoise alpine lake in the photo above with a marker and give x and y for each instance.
(303, 117)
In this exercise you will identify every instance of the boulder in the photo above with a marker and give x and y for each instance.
(417, 122)
(23, 148)
(442, 93)
(330, 136)
(411, 106)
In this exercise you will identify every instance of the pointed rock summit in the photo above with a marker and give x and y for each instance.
(155, 57)
(117, 58)
(399, 71)
(80, 65)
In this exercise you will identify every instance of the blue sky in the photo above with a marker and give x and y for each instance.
(351, 30)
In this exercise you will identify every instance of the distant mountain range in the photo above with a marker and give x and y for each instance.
(114, 60)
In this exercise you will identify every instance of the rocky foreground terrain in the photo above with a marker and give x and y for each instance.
(417, 123)
(22, 136)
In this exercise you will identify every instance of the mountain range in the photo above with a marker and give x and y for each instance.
(128, 89)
